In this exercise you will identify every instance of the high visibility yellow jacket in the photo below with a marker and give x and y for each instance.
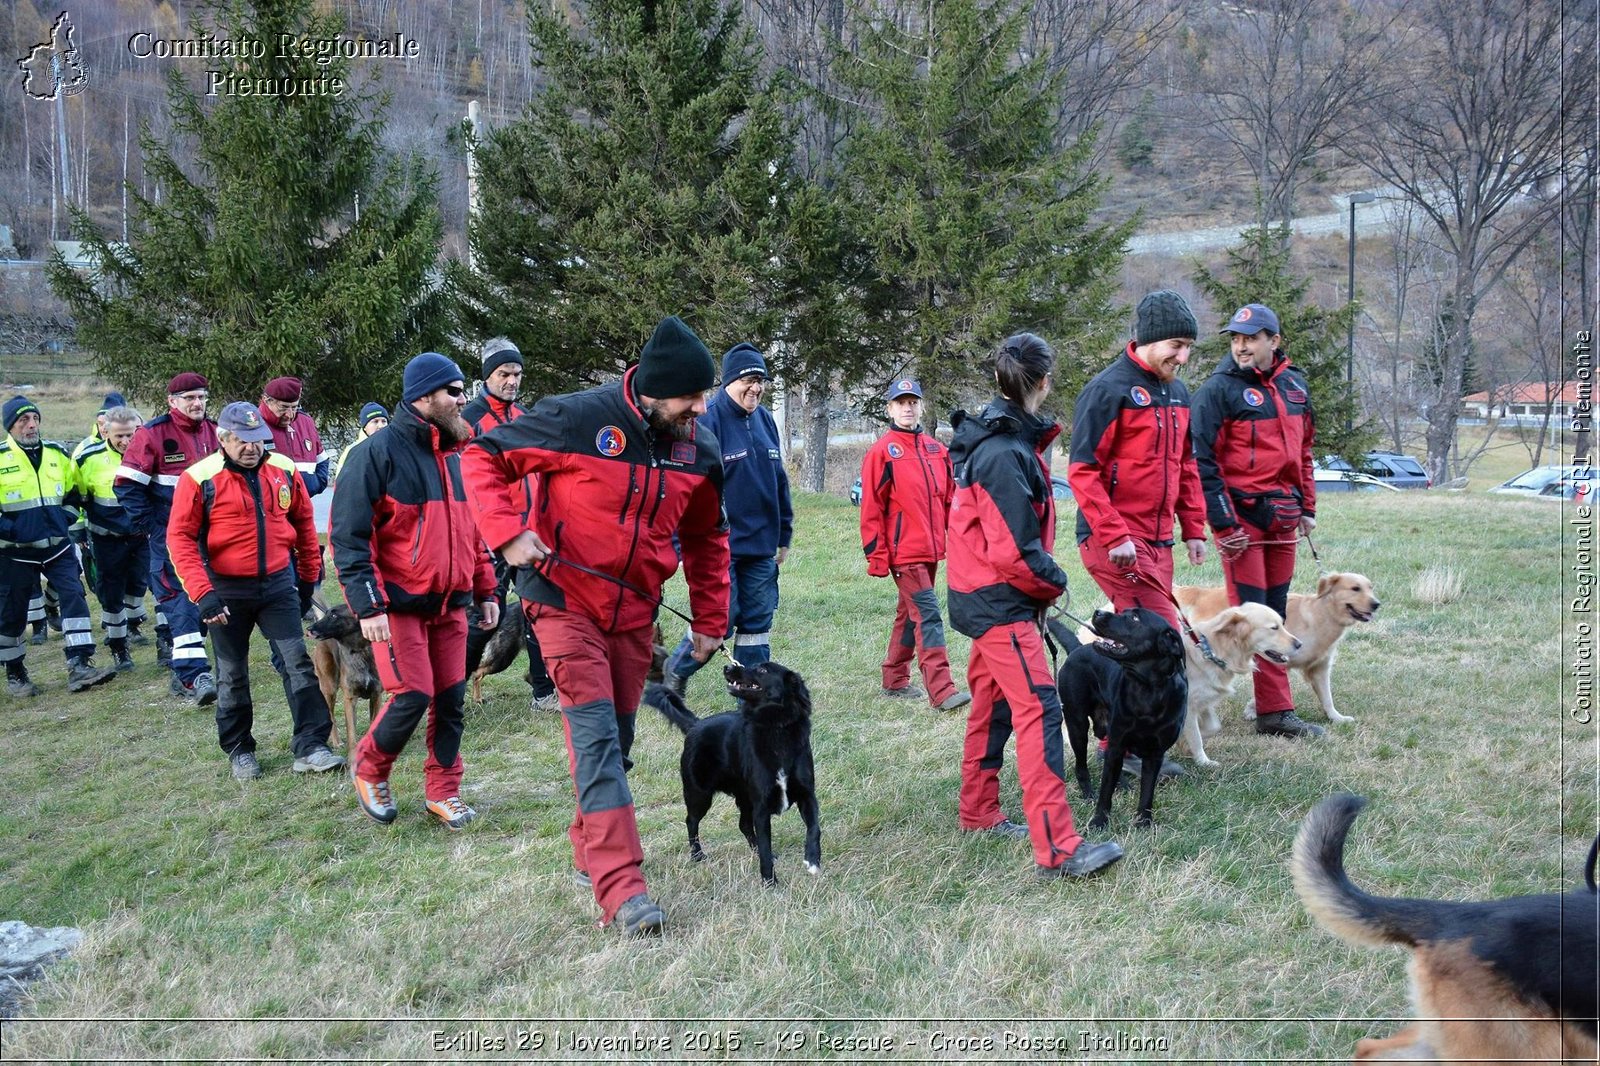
(34, 508)
(94, 477)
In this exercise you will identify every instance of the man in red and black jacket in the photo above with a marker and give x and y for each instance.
(906, 486)
(1132, 465)
(240, 534)
(1253, 431)
(154, 459)
(501, 370)
(621, 469)
(410, 560)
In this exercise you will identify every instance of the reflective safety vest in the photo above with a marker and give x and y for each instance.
(34, 515)
(96, 474)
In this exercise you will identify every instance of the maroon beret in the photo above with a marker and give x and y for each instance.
(284, 389)
(187, 382)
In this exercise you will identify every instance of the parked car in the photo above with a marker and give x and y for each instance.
(1578, 488)
(1058, 489)
(1348, 480)
(1534, 482)
(1392, 468)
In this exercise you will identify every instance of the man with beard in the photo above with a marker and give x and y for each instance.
(155, 458)
(1132, 466)
(410, 561)
(621, 469)
(502, 376)
(36, 481)
(244, 543)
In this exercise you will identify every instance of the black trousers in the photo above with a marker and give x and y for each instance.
(273, 605)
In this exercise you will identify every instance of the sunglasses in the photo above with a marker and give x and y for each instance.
(455, 392)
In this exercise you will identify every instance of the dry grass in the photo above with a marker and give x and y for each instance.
(272, 920)
(1437, 586)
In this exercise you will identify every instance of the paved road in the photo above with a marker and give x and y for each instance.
(1370, 219)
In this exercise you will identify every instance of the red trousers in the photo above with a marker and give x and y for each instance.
(599, 677)
(1262, 574)
(919, 629)
(1013, 692)
(1123, 589)
(423, 667)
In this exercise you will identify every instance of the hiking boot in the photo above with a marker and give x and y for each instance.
(319, 761)
(639, 917)
(83, 673)
(906, 692)
(581, 879)
(163, 651)
(956, 700)
(121, 660)
(376, 801)
(40, 633)
(452, 812)
(1088, 860)
(136, 638)
(1286, 724)
(675, 683)
(546, 703)
(245, 766)
(1004, 828)
(18, 683)
(205, 690)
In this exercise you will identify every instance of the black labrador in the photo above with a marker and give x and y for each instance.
(1133, 683)
(760, 755)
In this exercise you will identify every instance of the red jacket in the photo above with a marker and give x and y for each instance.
(402, 533)
(906, 485)
(230, 522)
(1132, 462)
(300, 443)
(611, 496)
(1253, 434)
(1002, 519)
(485, 413)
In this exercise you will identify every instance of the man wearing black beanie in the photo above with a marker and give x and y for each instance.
(622, 468)
(1132, 465)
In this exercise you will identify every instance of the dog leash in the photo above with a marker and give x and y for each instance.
(1197, 637)
(656, 601)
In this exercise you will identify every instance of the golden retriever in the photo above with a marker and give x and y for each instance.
(1236, 637)
(1341, 601)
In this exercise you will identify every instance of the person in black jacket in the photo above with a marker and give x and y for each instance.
(1253, 430)
(410, 560)
(999, 587)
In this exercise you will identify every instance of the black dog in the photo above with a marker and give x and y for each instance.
(1133, 683)
(1501, 980)
(760, 755)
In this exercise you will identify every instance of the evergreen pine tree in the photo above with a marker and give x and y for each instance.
(648, 178)
(280, 239)
(975, 213)
(1257, 271)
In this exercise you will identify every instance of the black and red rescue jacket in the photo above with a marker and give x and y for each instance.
(486, 412)
(610, 494)
(1253, 434)
(1132, 463)
(906, 485)
(1002, 519)
(401, 529)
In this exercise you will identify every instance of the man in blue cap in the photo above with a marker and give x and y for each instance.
(755, 494)
(410, 560)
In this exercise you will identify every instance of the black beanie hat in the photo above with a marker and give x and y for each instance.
(14, 409)
(1162, 315)
(674, 362)
(499, 358)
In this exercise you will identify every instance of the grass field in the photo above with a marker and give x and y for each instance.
(272, 920)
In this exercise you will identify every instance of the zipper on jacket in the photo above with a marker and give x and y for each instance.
(1113, 491)
(416, 545)
(633, 487)
(1252, 464)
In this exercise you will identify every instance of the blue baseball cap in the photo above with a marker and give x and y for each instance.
(1252, 319)
(903, 387)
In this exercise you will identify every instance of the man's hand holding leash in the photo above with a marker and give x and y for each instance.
(525, 549)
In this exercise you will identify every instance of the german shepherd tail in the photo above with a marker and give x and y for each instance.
(671, 706)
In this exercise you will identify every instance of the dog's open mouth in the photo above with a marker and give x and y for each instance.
(1359, 616)
(1275, 656)
(744, 690)
(1107, 646)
